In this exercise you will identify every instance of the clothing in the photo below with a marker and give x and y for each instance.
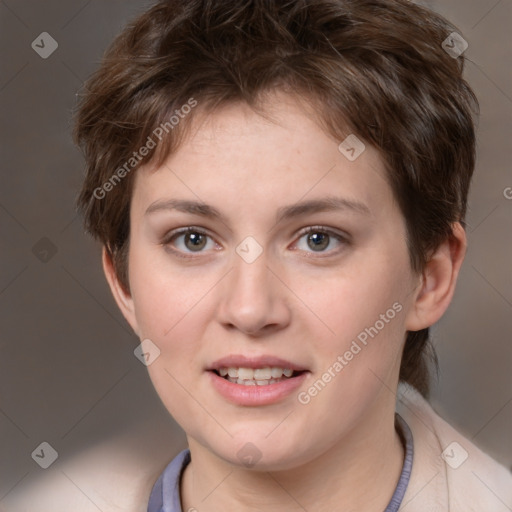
(449, 473)
(165, 496)
(464, 479)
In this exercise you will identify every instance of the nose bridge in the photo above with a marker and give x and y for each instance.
(252, 298)
(250, 275)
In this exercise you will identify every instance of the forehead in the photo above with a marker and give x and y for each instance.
(236, 156)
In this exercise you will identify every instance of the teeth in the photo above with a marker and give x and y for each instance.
(264, 382)
(246, 383)
(263, 373)
(245, 373)
(276, 372)
(258, 376)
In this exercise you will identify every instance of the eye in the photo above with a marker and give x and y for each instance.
(319, 238)
(187, 240)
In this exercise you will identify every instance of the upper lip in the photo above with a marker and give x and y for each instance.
(241, 361)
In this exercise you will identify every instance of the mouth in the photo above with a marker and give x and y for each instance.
(264, 376)
(256, 380)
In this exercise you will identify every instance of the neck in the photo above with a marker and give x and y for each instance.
(360, 471)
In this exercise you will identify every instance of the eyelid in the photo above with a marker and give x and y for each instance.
(324, 229)
(180, 231)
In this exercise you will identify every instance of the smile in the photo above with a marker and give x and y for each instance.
(247, 386)
(256, 376)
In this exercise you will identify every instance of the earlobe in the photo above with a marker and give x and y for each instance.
(123, 299)
(438, 281)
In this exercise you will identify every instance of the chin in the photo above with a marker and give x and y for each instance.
(259, 455)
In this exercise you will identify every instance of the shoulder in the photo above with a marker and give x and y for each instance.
(449, 472)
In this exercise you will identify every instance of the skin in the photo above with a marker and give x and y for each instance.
(294, 301)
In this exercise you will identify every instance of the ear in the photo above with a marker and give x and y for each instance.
(438, 281)
(123, 298)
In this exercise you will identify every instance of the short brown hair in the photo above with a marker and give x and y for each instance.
(376, 68)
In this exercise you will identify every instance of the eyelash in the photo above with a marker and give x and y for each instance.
(192, 229)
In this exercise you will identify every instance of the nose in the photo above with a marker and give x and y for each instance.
(253, 298)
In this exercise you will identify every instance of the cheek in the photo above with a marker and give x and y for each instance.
(359, 360)
(343, 304)
(169, 306)
(363, 323)
(165, 298)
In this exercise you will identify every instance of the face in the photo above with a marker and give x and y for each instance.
(265, 271)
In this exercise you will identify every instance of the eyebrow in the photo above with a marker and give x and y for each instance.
(283, 213)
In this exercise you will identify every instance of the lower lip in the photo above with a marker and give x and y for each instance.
(256, 395)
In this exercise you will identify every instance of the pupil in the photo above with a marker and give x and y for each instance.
(322, 238)
(198, 241)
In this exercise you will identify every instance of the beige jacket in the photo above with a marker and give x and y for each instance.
(449, 473)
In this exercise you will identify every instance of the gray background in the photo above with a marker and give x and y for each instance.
(68, 375)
